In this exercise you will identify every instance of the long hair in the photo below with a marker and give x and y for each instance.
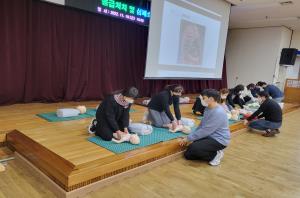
(222, 92)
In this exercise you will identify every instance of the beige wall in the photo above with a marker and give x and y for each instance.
(253, 54)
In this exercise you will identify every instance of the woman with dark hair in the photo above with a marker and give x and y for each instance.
(224, 103)
(254, 90)
(234, 96)
(198, 108)
(247, 96)
(159, 107)
(112, 116)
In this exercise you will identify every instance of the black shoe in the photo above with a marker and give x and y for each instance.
(269, 133)
(277, 131)
(92, 126)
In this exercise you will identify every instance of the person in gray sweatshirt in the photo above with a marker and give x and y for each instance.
(212, 135)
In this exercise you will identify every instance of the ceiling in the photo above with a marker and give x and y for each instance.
(264, 13)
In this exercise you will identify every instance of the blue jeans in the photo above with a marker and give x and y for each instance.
(264, 124)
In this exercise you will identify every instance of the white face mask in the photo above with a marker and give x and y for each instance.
(204, 103)
(223, 96)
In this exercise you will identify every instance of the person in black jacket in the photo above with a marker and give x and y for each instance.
(198, 108)
(159, 107)
(271, 111)
(234, 96)
(112, 116)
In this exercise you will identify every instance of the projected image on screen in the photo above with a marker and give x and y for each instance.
(191, 43)
(187, 39)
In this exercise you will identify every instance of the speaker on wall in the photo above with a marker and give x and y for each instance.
(288, 56)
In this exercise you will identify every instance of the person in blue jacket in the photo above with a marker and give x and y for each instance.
(272, 90)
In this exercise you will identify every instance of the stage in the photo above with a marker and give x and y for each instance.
(61, 152)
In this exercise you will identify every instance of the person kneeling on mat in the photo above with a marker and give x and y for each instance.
(159, 107)
(198, 108)
(212, 135)
(112, 116)
(271, 111)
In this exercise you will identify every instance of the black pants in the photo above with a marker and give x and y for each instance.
(204, 149)
(198, 107)
(237, 100)
(247, 99)
(105, 132)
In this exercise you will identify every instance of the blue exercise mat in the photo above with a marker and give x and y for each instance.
(158, 135)
(52, 117)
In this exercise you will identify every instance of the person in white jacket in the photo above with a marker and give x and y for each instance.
(247, 96)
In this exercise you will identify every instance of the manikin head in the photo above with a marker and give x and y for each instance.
(82, 109)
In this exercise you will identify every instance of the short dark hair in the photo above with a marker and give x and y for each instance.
(238, 88)
(261, 83)
(175, 88)
(251, 86)
(130, 92)
(263, 94)
(212, 93)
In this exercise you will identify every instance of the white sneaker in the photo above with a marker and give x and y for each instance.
(217, 160)
(92, 126)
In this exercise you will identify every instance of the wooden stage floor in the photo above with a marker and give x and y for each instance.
(61, 150)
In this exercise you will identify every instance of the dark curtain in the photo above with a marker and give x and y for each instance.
(52, 53)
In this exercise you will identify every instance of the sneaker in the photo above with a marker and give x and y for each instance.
(270, 133)
(277, 131)
(92, 127)
(217, 160)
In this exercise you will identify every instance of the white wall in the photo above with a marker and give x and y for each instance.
(293, 72)
(253, 54)
(281, 71)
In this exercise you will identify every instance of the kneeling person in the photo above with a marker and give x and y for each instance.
(212, 135)
(159, 107)
(271, 111)
(112, 116)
